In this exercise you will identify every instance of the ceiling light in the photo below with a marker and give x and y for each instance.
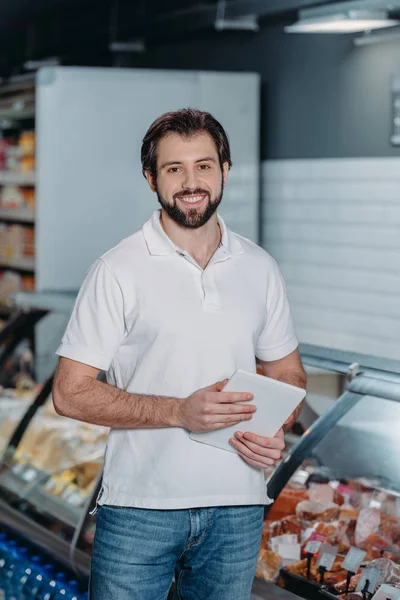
(351, 21)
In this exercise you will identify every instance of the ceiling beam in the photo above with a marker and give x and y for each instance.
(203, 16)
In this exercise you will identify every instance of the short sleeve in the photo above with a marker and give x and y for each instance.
(278, 337)
(96, 326)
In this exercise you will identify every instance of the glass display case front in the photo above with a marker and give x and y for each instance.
(51, 474)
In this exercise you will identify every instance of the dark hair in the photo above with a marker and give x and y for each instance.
(185, 122)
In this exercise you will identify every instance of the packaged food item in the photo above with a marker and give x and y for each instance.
(27, 164)
(14, 197)
(333, 532)
(4, 145)
(27, 142)
(310, 511)
(268, 565)
(389, 571)
(10, 283)
(286, 503)
(29, 242)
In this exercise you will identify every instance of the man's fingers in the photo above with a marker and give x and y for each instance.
(276, 443)
(248, 453)
(232, 397)
(260, 451)
(217, 387)
(230, 409)
(253, 463)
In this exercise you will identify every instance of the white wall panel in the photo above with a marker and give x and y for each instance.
(334, 227)
(90, 125)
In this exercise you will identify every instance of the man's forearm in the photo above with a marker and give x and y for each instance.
(99, 403)
(298, 379)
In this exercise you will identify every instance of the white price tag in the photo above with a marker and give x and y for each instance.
(387, 592)
(17, 468)
(353, 560)
(300, 477)
(326, 560)
(290, 553)
(313, 547)
(29, 475)
(286, 538)
(368, 580)
(327, 555)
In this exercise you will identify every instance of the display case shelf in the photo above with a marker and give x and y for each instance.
(17, 215)
(25, 264)
(39, 498)
(14, 114)
(15, 178)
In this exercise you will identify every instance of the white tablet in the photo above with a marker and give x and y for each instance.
(275, 402)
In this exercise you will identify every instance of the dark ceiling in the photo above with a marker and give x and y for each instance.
(80, 31)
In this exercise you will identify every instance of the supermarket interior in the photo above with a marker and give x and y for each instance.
(309, 94)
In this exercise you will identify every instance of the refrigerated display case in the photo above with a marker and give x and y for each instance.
(340, 485)
(49, 495)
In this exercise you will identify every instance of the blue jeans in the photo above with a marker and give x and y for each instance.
(212, 551)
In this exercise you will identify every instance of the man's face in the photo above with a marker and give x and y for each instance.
(189, 182)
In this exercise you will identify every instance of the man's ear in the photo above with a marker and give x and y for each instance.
(151, 180)
(225, 171)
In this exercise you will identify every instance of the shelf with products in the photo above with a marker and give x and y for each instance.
(25, 264)
(52, 470)
(17, 215)
(339, 487)
(17, 113)
(16, 178)
(18, 102)
(24, 482)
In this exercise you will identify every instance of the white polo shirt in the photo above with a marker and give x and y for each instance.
(159, 324)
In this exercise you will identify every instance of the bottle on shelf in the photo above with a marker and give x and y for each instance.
(40, 583)
(33, 570)
(56, 586)
(17, 563)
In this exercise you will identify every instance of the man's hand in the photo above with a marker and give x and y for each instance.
(210, 408)
(258, 451)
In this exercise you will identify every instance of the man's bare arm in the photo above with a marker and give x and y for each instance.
(289, 370)
(79, 395)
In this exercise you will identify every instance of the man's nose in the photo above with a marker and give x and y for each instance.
(190, 180)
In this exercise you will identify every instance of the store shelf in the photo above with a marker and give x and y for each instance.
(17, 214)
(40, 499)
(15, 114)
(25, 264)
(17, 152)
(11, 178)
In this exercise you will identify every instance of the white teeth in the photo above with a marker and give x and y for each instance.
(191, 199)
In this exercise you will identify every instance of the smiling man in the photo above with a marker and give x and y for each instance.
(170, 313)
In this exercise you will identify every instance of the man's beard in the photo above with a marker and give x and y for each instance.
(192, 218)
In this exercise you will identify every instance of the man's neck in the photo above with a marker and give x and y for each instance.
(200, 243)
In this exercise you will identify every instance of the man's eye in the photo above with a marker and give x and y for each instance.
(205, 167)
(173, 170)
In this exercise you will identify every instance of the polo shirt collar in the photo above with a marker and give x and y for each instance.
(159, 244)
